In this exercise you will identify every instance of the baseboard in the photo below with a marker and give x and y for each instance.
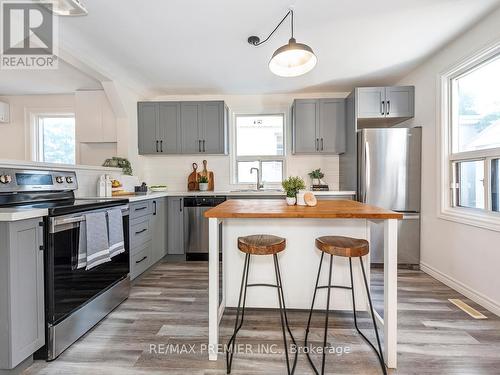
(475, 296)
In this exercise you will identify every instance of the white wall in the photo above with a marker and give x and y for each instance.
(17, 131)
(173, 170)
(14, 134)
(465, 257)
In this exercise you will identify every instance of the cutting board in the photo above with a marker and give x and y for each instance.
(193, 179)
(209, 174)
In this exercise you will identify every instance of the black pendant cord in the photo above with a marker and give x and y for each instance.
(255, 40)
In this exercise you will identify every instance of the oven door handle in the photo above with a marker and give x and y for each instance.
(71, 221)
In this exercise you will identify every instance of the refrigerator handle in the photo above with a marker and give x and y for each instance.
(365, 172)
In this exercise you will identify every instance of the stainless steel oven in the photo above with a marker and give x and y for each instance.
(77, 299)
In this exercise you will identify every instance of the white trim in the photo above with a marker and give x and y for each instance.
(460, 287)
(54, 166)
(445, 209)
(235, 159)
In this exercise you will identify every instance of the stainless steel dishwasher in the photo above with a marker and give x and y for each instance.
(196, 225)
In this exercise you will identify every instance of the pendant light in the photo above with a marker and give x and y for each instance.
(292, 59)
(65, 7)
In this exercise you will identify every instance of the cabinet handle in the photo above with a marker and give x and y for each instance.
(154, 205)
(161, 146)
(139, 261)
(321, 144)
(180, 205)
(199, 145)
(141, 231)
(203, 145)
(157, 146)
(317, 144)
(382, 107)
(388, 107)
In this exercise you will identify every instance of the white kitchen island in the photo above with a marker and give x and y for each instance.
(299, 262)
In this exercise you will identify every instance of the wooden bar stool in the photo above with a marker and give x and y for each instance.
(260, 244)
(348, 248)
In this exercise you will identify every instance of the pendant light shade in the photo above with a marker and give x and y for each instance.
(66, 7)
(292, 59)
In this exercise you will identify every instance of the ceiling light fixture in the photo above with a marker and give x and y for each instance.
(66, 7)
(292, 59)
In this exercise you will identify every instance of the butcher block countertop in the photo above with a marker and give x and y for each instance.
(272, 208)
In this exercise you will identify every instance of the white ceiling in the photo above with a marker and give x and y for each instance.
(200, 47)
(66, 79)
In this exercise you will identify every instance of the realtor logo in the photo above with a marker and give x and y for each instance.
(28, 35)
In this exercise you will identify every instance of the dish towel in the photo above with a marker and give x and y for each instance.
(97, 239)
(115, 232)
(82, 247)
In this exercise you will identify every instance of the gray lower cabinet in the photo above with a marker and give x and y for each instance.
(182, 127)
(385, 102)
(147, 233)
(175, 236)
(159, 229)
(318, 126)
(22, 319)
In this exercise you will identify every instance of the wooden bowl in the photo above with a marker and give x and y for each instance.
(310, 199)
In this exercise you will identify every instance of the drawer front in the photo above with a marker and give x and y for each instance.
(140, 231)
(140, 209)
(140, 261)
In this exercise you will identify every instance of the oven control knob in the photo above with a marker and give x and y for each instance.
(69, 179)
(5, 179)
(59, 179)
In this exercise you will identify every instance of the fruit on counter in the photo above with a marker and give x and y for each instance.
(116, 183)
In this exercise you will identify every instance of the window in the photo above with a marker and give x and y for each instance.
(260, 144)
(55, 139)
(474, 134)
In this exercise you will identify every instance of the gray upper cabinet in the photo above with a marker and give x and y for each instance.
(318, 126)
(370, 101)
(169, 127)
(305, 123)
(191, 133)
(385, 102)
(159, 127)
(182, 127)
(148, 120)
(175, 233)
(22, 319)
(213, 123)
(332, 125)
(159, 228)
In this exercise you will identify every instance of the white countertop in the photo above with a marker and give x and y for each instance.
(20, 213)
(265, 193)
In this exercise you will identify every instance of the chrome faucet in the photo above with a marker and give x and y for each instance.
(259, 184)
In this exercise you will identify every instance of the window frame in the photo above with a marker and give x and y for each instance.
(258, 158)
(449, 157)
(36, 140)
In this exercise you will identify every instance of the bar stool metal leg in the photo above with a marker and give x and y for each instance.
(284, 317)
(310, 316)
(232, 340)
(379, 352)
(327, 313)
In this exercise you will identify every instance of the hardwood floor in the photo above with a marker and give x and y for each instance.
(168, 305)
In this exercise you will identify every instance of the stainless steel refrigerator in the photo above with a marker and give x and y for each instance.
(389, 174)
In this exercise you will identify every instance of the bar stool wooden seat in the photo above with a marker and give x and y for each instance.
(257, 245)
(346, 247)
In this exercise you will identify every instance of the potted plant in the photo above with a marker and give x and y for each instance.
(316, 176)
(203, 183)
(292, 185)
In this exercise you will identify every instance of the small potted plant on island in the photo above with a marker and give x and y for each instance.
(292, 185)
(203, 183)
(316, 176)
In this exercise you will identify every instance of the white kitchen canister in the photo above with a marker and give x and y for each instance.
(300, 198)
